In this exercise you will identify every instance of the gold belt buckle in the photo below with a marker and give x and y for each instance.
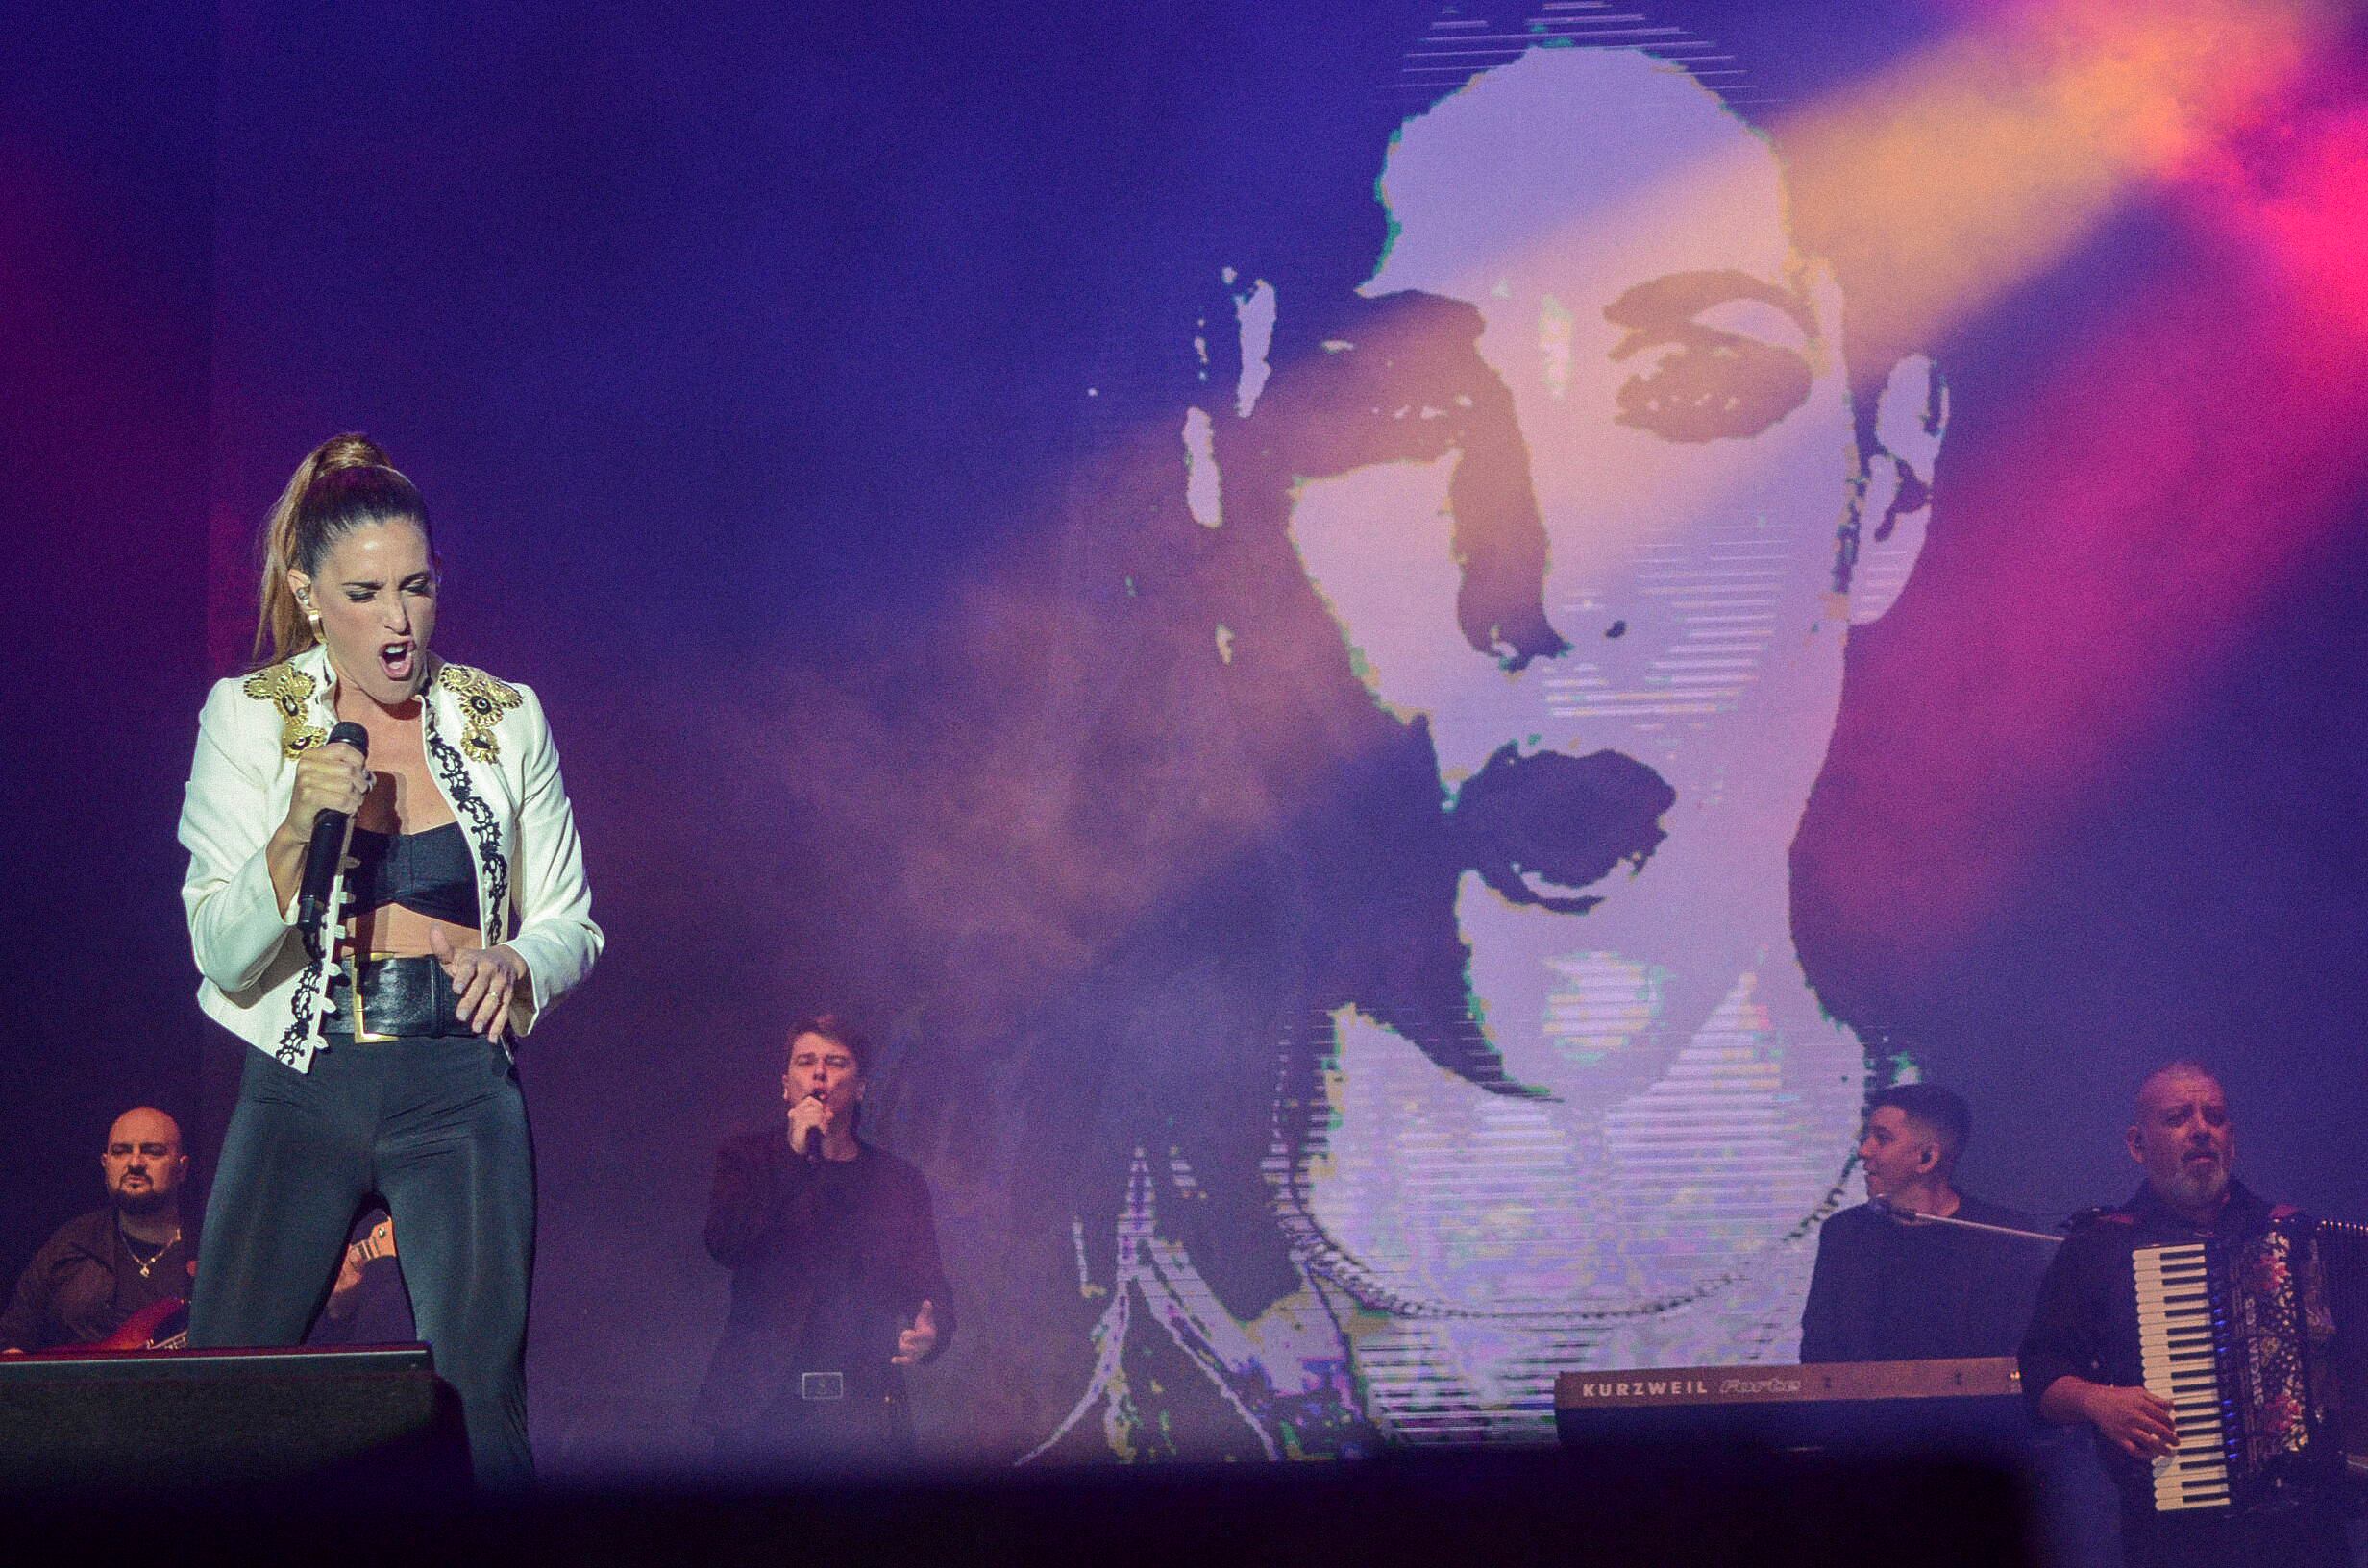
(361, 1025)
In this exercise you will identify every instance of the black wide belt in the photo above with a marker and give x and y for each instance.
(400, 999)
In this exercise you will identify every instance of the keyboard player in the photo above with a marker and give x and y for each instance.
(2082, 1360)
(1888, 1291)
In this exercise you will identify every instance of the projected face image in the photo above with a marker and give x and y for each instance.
(1626, 702)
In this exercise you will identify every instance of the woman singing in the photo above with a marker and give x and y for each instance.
(382, 1072)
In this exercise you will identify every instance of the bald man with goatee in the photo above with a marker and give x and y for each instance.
(104, 1267)
(2080, 1360)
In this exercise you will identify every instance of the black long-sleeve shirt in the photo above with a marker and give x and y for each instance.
(1888, 1291)
(831, 1261)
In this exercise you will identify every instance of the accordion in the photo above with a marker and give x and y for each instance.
(2261, 1346)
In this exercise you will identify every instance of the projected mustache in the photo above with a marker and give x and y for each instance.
(1569, 820)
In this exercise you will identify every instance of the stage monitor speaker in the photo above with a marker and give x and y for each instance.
(224, 1422)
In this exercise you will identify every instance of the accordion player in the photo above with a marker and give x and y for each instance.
(2213, 1342)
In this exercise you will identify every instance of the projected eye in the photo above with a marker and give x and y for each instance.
(1709, 384)
(1699, 381)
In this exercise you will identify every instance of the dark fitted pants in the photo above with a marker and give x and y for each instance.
(436, 1129)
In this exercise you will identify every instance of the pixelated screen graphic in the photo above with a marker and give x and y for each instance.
(1513, 561)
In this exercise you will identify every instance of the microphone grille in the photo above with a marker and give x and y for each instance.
(346, 732)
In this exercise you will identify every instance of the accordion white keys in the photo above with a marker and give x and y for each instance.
(2247, 1342)
(2180, 1330)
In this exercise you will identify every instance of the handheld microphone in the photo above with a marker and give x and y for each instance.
(328, 846)
(813, 1149)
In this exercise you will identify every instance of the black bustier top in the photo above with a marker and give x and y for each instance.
(430, 872)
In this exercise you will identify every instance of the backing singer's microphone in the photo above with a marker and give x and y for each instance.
(328, 846)
(1913, 1218)
(813, 1149)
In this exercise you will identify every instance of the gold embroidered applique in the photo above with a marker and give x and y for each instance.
(484, 700)
(289, 690)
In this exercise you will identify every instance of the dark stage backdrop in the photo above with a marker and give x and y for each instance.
(106, 309)
(1398, 649)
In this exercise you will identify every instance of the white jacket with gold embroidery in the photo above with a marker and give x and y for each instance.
(490, 754)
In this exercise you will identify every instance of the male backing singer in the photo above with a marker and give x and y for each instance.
(836, 1284)
(1887, 1289)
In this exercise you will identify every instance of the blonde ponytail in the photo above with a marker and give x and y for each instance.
(297, 534)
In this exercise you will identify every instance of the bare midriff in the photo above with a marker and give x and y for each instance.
(392, 931)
